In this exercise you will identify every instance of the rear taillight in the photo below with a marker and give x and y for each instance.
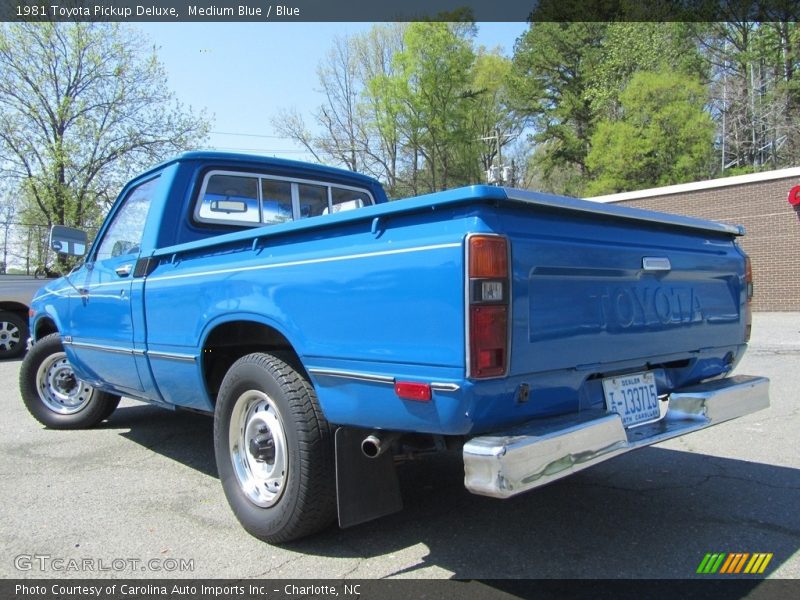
(488, 256)
(488, 295)
(748, 277)
(748, 285)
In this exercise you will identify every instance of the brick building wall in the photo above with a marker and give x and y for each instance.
(759, 202)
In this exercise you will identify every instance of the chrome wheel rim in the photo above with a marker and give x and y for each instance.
(10, 336)
(258, 449)
(59, 388)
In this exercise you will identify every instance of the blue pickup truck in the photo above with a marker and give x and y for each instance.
(331, 333)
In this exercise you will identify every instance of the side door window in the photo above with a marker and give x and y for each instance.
(124, 234)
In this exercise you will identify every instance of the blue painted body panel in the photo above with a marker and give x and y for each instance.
(380, 291)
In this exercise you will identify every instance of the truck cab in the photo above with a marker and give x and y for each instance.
(328, 331)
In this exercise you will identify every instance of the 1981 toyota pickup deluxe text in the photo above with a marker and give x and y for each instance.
(330, 332)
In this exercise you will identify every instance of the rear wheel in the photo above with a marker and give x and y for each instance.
(13, 334)
(54, 395)
(274, 450)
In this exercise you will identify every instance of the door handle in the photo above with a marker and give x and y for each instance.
(124, 270)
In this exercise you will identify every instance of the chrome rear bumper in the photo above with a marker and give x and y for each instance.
(541, 451)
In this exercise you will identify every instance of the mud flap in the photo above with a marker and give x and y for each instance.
(366, 488)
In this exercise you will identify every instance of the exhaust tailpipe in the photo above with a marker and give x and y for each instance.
(378, 442)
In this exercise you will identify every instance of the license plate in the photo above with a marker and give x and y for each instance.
(634, 397)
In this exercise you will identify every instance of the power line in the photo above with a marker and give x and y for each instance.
(263, 150)
(254, 135)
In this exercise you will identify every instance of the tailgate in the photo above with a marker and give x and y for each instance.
(597, 287)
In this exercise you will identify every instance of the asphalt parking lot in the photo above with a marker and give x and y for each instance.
(139, 497)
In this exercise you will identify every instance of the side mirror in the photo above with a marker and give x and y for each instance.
(66, 240)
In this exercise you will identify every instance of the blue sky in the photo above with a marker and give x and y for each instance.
(242, 73)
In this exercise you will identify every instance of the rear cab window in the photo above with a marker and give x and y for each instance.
(257, 199)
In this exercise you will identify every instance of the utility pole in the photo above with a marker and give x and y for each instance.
(499, 147)
(499, 174)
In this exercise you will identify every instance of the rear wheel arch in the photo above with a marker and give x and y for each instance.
(228, 341)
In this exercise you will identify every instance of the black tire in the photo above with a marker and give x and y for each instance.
(292, 492)
(52, 393)
(13, 335)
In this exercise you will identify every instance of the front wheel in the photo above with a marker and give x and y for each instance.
(274, 450)
(54, 395)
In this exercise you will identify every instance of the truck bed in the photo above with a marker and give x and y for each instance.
(391, 277)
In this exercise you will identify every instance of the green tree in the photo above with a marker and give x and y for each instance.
(568, 77)
(781, 43)
(664, 136)
(491, 117)
(550, 87)
(8, 213)
(343, 129)
(356, 124)
(755, 91)
(82, 107)
(375, 51)
(433, 84)
(413, 105)
(631, 47)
